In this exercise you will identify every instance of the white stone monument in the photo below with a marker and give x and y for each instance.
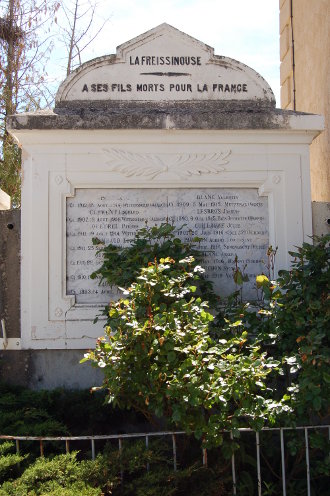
(162, 130)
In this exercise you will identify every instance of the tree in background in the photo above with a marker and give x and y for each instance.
(25, 45)
(27, 36)
(78, 28)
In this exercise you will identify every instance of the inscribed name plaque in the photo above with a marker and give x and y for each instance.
(230, 222)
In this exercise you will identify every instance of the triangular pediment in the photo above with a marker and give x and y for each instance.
(168, 38)
(166, 65)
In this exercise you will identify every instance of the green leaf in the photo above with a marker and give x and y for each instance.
(317, 403)
(176, 415)
(238, 277)
(171, 356)
(326, 377)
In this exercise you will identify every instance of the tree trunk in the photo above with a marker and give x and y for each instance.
(9, 88)
(73, 34)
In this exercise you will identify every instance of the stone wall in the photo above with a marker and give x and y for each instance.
(321, 218)
(10, 229)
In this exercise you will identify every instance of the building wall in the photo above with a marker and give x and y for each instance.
(10, 238)
(305, 76)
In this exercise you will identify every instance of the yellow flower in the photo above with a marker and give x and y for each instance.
(261, 279)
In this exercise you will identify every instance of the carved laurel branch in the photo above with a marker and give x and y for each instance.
(152, 164)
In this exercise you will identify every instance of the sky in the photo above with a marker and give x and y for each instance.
(245, 30)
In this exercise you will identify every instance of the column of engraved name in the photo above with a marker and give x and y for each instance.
(230, 222)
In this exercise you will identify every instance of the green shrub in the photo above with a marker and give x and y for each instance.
(149, 471)
(303, 323)
(61, 475)
(121, 265)
(24, 413)
(165, 355)
(59, 412)
(158, 357)
(51, 488)
(9, 462)
(133, 471)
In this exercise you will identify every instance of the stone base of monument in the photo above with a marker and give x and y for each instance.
(48, 369)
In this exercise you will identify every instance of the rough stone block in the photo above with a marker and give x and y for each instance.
(321, 218)
(285, 42)
(286, 67)
(286, 93)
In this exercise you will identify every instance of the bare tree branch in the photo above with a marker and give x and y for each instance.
(23, 52)
(77, 34)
